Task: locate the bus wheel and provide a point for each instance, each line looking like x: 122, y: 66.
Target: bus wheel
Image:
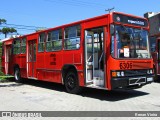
x: 17, y: 75
x: 72, y: 83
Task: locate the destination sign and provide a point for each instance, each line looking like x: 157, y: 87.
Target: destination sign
x: 129, y: 20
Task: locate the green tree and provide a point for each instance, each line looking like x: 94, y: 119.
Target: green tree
x: 5, y: 31
x: 3, y: 21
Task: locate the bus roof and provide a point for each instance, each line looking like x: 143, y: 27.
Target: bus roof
x: 78, y: 22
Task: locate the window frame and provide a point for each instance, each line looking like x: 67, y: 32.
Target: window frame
x: 77, y: 37
x: 23, y: 44
x: 41, y: 42
x: 52, y: 41
x: 17, y: 46
x: 113, y: 35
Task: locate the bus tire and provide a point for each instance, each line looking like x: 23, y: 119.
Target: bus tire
x: 17, y: 75
x: 71, y: 83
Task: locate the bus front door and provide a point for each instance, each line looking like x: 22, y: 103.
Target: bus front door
x: 94, y: 57
x: 8, y: 59
x: 32, y: 59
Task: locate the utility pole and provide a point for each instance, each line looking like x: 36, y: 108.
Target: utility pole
x: 110, y: 9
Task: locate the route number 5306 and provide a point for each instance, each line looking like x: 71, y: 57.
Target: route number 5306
x: 124, y: 65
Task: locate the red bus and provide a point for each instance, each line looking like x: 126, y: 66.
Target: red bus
x: 155, y: 50
x: 105, y: 52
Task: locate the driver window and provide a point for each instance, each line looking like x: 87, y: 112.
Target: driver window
x: 124, y: 44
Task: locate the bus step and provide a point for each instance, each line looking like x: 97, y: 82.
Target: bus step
x: 89, y: 83
x: 32, y: 78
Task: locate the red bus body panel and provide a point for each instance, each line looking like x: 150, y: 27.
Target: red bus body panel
x: 48, y: 66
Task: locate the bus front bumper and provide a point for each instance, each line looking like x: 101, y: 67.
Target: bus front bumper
x: 131, y: 82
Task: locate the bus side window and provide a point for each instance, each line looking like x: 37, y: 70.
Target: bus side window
x: 54, y: 40
x: 41, y: 42
x: 23, y: 46
x: 57, y: 40
x: 152, y: 44
x: 16, y: 46
x: 72, y: 38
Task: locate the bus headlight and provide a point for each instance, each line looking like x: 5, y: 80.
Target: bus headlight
x: 117, y: 74
x: 149, y: 71
x: 122, y: 73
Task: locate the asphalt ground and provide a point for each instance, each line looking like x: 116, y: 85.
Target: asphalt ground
x: 45, y: 96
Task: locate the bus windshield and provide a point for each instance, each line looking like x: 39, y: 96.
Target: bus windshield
x: 127, y: 42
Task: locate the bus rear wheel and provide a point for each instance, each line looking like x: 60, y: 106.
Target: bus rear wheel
x: 72, y: 83
x: 17, y: 75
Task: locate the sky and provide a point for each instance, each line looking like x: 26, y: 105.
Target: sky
x: 52, y: 13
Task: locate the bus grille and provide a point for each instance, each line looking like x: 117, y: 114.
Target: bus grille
x: 135, y: 72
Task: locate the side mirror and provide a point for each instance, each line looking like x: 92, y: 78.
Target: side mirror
x: 112, y: 29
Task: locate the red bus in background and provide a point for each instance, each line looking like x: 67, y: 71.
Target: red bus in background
x: 155, y: 50
x: 105, y: 52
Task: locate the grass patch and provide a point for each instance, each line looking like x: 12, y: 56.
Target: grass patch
x: 5, y: 78
x: 1, y: 74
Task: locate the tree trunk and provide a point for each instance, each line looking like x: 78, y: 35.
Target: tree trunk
x: 5, y: 35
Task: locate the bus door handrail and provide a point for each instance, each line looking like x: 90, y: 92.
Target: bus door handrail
x: 100, y: 59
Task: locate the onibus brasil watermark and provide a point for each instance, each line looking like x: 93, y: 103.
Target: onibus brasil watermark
x: 36, y: 114
x: 21, y: 114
